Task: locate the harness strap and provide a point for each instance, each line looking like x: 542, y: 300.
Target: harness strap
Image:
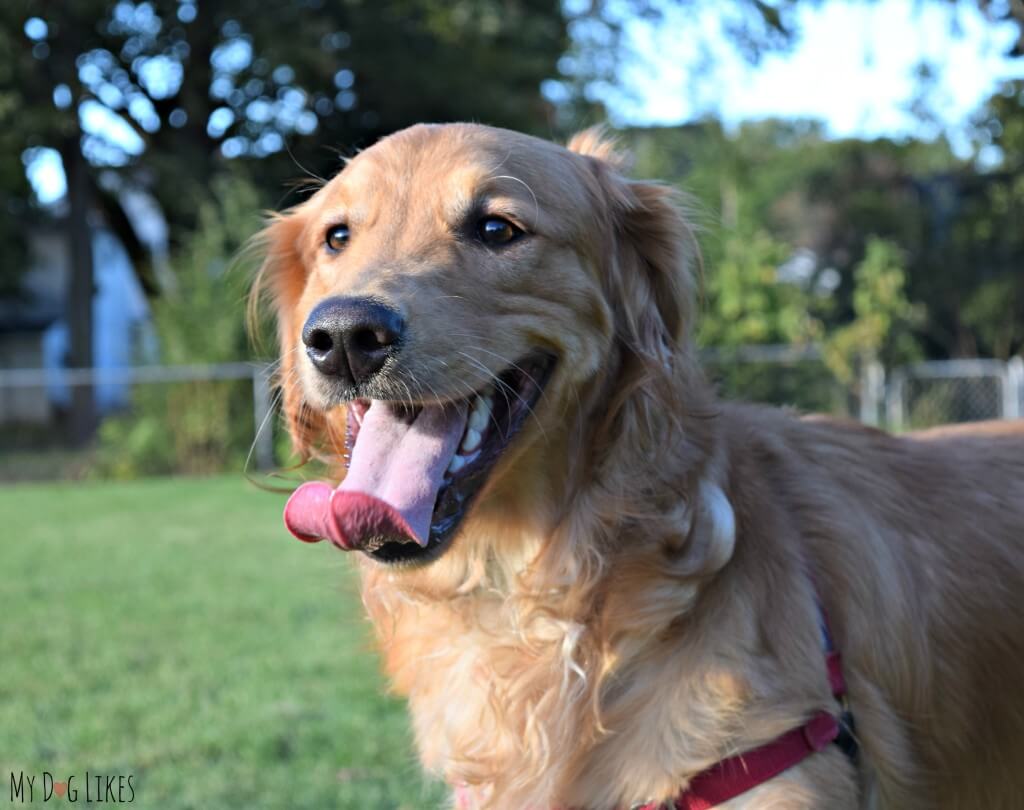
x: 736, y: 775
x: 846, y: 740
x: 729, y: 778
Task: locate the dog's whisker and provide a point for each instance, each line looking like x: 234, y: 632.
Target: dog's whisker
x: 502, y: 162
x: 508, y: 363
x: 536, y: 204
x: 265, y: 423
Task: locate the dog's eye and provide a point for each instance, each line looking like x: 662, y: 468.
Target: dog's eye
x: 336, y: 238
x: 495, y: 231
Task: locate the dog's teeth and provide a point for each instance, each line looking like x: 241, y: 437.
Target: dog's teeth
x: 456, y: 464
x: 470, y: 442
x: 481, y: 413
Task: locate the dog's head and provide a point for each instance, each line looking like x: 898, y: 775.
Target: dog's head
x: 481, y: 323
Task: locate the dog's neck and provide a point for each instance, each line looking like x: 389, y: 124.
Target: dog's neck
x: 511, y: 656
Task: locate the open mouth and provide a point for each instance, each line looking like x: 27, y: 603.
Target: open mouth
x: 414, y: 469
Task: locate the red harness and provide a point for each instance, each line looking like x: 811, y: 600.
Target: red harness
x: 731, y: 777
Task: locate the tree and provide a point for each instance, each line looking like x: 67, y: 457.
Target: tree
x: 994, y: 226
x: 166, y: 93
x: 884, y: 319
x: 196, y: 427
x: 954, y: 230
x: 191, y: 86
x: 747, y: 302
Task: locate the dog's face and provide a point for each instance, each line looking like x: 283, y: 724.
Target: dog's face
x: 450, y: 293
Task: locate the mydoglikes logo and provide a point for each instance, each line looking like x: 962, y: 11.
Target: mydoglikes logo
x: 93, y: 788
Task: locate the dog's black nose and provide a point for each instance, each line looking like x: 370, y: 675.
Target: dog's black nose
x: 351, y: 338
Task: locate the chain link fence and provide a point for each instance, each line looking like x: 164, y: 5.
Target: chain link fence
x: 910, y: 397
x: 937, y: 393
x: 208, y: 418
x: 190, y: 419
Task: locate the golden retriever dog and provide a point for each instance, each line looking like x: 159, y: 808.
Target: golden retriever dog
x: 598, y: 586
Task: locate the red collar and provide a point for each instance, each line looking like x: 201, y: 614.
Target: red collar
x: 735, y: 775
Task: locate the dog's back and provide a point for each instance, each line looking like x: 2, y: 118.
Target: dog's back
x: 918, y: 544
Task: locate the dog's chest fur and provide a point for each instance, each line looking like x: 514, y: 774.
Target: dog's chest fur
x: 533, y: 712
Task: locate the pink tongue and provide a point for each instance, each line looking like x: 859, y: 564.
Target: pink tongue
x: 392, y: 482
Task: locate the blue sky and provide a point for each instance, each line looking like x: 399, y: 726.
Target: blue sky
x: 852, y: 68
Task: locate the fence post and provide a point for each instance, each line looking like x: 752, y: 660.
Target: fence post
x: 262, y: 409
x: 894, y: 402
x: 1013, y: 392
x: 872, y: 392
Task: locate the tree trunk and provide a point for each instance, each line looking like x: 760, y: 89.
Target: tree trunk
x: 81, y: 289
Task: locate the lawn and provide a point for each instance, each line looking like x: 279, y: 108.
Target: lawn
x: 171, y: 630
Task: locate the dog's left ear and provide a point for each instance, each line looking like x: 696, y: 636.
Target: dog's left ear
x: 658, y: 249
x: 649, y: 264
x: 282, y: 278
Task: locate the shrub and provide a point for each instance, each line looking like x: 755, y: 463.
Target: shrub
x: 204, y: 426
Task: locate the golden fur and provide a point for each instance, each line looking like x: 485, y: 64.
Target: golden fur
x: 631, y: 599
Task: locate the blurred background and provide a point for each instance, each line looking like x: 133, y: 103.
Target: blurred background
x: 856, y: 169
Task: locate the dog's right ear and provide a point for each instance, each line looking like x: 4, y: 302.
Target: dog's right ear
x: 280, y: 281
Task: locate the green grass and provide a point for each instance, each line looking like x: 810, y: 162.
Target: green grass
x: 172, y: 630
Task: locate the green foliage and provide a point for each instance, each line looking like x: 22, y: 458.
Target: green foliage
x: 804, y: 383
x: 995, y: 312
x: 203, y: 426
x: 196, y: 428
x: 958, y: 225
x: 15, y: 209
x: 1000, y: 123
x: 747, y: 303
x: 884, y: 319
x: 202, y: 318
